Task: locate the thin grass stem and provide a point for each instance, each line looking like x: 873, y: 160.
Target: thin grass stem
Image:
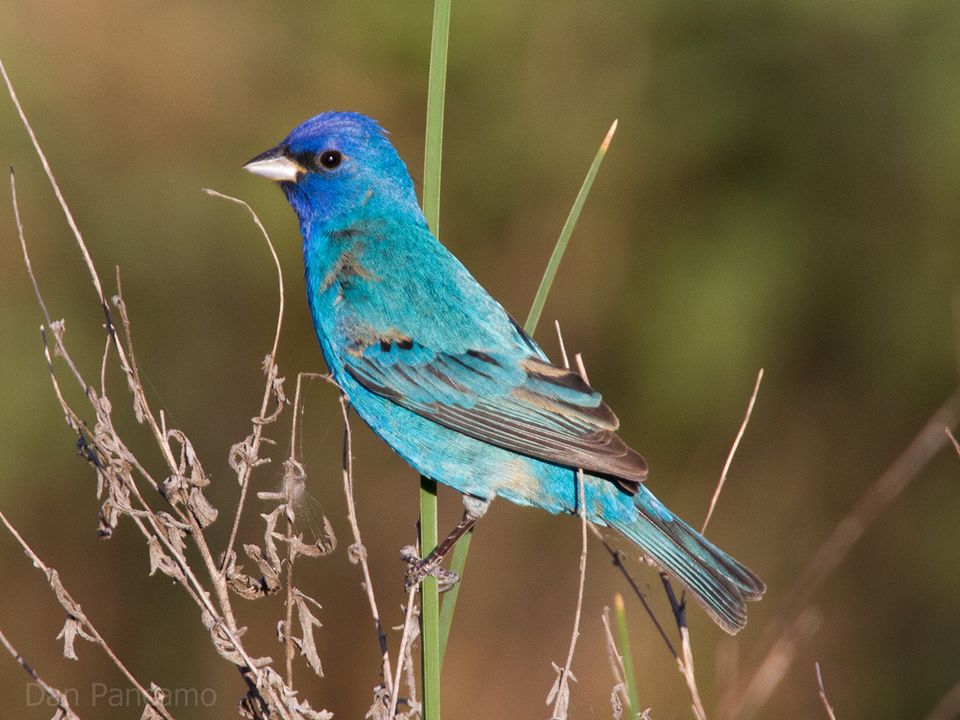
x: 540, y: 299
x: 433, y: 153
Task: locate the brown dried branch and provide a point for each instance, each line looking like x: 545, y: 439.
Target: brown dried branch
x: 616, y: 558
x: 78, y: 623
x: 64, y: 711
x: 618, y: 696
x: 101, y: 405
x: 294, y: 482
x: 744, y: 701
x: 559, y: 694
x: 733, y: 451
x: 953, y: 440
x: 251, y: 445
x: 357, y: 552
x: 118, y: 471
x: 410, y: 627
x: 685, y: 660
x: 103, y: 448
x: 823, y: 694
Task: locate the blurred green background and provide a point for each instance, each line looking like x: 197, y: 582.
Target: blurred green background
x: 783, y: 192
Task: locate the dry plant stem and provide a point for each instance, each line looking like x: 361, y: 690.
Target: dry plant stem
x: 928, y: 442
x: 63, y: 705
x: 953, y: 440
x: 361, y: 551
x: 271, y: 372
x: 617, y: 558
x: 194, y: 587
x: 288, y: 619
x: 162, y: 440
x: 885, y: 489
x: 265, y: 691
x: 616, y: 661
x: 288, y: 648
x: 188, y: 581
x: 733, y: 451
x: 74, y: 610
x: 59, y: 195
x: 823, y: 694
x: 291, y: 553
x: 562, y: 699
x: 563, y: 347
x: 562, y: 695
x: 689, y: 674
x: 685, y: 659
x: 220, y: 587
x: 561, y: 702
x: 402, y: 653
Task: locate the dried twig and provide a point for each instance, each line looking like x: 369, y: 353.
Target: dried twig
x: 744, y: 701
x: 293, y: 484
x: 823, y: 694
x: 251, y: 445
x: 119, y: 471
x: 617, y: 558
x: 357, y: 552
x: 685, y: 659
x: 64, y: 711
x: 95, y: 453
x: 409, y: 627
x: 618, y: 697
x: 679, y: 607
x: 953, y: 439
x: 559, y: 694
x: 78, y: 623
x: 733, y: 451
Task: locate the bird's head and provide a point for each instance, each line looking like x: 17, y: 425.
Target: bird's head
x: 337, y: 163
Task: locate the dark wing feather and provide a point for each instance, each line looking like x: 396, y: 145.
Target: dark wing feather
x: 523, y: 404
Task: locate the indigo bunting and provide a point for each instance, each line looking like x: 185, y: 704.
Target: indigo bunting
x: 448, y: 379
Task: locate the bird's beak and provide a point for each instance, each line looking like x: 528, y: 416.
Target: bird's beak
x: 276, y: 165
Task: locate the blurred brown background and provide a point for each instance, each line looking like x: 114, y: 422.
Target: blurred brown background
x: 782, y: 193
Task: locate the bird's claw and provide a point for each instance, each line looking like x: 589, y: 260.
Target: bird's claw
x: 418, y: 569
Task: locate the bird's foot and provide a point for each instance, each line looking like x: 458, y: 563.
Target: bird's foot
x: 418, y: 569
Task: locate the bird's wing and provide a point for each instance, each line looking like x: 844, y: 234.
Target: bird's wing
x: 516, y: 401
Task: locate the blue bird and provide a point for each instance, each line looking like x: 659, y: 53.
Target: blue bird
x: 448, y: 379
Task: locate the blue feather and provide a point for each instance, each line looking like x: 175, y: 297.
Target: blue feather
x: 440, y: 371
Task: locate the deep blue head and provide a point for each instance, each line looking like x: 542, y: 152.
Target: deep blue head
x: 338, y: 163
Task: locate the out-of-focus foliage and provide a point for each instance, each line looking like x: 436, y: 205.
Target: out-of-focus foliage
x: 782, y: 192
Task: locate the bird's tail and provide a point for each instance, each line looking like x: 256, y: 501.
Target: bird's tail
x: 720, y: 583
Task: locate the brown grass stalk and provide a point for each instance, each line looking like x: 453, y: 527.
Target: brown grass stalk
x: 795, y: 624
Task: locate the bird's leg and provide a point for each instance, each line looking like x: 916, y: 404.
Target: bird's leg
x: 474, y: 509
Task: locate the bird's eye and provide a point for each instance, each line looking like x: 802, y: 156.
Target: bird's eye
x: 330, y: 159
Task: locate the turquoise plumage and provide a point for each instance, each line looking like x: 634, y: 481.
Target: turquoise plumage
x: 440, y: 371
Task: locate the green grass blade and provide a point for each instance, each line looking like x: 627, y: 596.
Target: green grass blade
x: 436, y: 93
x: 463, y: 547
x: 540, y: 299
x: 429, y: 604
x: 433, y: 152
x: 623, y: 637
